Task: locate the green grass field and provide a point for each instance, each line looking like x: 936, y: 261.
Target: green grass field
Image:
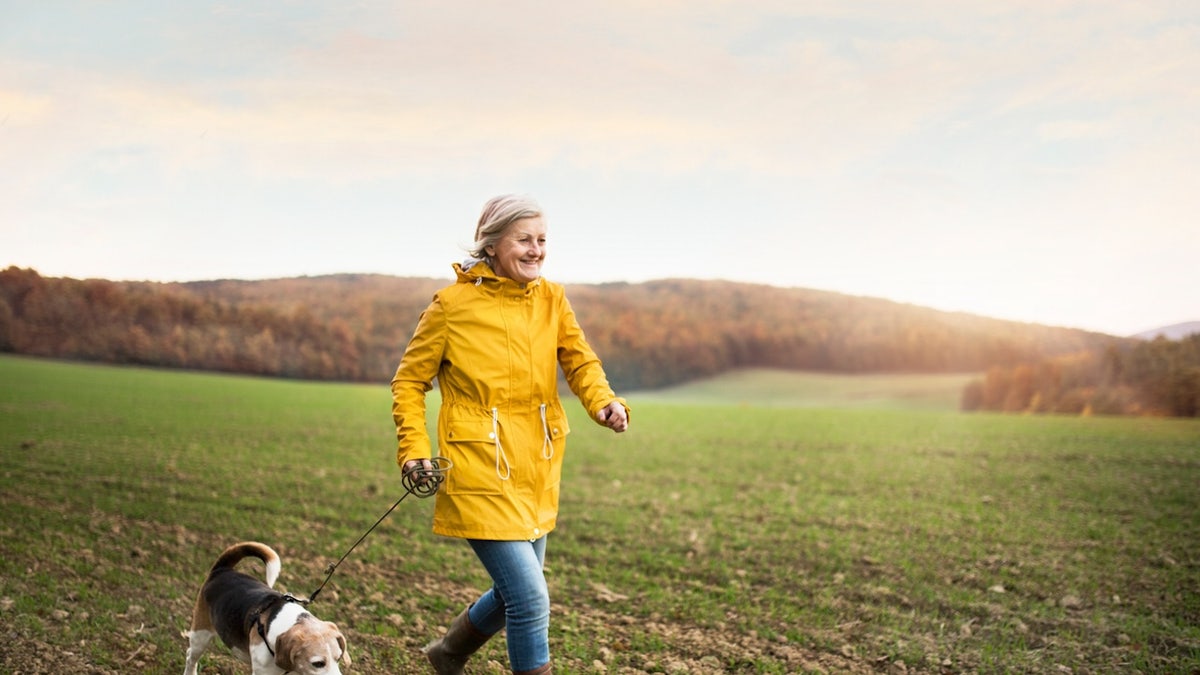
x: 725, y: 532
x: 778, y: 389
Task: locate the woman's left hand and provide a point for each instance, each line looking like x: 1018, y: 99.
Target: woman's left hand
x: 613, y: 416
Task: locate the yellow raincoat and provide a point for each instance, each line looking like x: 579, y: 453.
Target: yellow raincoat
x: 495, y: 346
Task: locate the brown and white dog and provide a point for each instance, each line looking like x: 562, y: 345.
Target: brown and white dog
x: 261, y: 626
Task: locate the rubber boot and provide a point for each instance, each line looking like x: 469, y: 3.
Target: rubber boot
x: 448, y: 654
x: 544, y: 670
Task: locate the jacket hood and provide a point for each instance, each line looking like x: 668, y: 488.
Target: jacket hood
x: 468, y: 263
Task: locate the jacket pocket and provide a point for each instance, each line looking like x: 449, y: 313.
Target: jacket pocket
x: 471, y: 446
x: 555, y: 430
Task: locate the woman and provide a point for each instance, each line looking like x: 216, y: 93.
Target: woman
x: 495, y: 340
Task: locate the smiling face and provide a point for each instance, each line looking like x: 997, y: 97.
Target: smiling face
x: 519, y: 252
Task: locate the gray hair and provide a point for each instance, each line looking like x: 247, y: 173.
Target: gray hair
x: 498, y: 213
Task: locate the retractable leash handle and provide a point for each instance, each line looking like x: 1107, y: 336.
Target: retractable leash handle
x: 419, y: 481
x: 424, y: 482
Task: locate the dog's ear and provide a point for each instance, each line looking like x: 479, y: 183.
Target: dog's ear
x: 341, y: 640
x: 284, y: 647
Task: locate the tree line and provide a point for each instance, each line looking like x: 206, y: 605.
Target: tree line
x: 160, y: 325
x: 355, y: 327
x: 1158, y: 377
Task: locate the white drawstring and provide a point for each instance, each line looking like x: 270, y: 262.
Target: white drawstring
x: 499, y: 448
x: 546, y: 443
x: 502, y: 457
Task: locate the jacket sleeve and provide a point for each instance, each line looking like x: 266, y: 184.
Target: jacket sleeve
x: 414, y: 378
x: 580, y: 365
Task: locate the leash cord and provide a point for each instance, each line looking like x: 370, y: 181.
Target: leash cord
x: 420, y: 482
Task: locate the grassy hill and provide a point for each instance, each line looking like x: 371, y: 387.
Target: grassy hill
x: 650, y: 335
x: 781, y: 388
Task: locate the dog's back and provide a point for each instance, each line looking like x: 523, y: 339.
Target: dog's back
x: 235, y: 600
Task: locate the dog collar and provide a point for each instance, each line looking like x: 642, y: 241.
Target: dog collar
x: 274, y: 606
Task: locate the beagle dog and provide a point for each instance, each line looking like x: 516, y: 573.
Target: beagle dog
x: 261, y: 626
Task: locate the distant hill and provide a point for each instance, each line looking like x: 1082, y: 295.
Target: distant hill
x: 669, y: 331
x: 653, y: 334
x: 1173, y: 332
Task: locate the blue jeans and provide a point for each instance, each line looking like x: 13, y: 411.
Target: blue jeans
x: 518, y: 599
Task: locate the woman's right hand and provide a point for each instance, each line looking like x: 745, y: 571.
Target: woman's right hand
x: 419, y: 470
x: 614, y: 417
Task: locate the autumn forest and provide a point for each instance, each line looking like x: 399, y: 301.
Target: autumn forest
x: 652, y: 334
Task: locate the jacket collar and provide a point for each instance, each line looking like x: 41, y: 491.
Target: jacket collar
x: 479, y: 273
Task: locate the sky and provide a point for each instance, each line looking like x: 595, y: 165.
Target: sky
x: 1031, y: 160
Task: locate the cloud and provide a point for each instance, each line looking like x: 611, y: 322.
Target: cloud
x: 1076, y: 130
x: 674, y: 90
x: 22, y: 109
x: 879, y: 148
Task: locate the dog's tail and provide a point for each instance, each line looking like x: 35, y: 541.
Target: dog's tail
x: 250, y: 549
